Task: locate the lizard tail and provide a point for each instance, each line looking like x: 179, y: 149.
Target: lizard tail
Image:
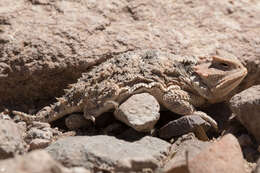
x: 49, y: 113
x: 27, y: 117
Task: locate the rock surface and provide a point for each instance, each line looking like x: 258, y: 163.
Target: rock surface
x: 108, y: 153
x: 182, y: 126
x: 37, y: 161
x: 140, y: 111
x: 246, y: 106
x: 221, y: 156
x: 65, y: 38
x: 11, y: 139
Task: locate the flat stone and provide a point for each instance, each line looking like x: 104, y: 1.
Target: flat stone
x: 11, y: 139
x: 109, y: 153
x: 246, y: 106
x: 140, y: 111
x: 36, y: 161
x: 223, y: 156
x: 182, y: 126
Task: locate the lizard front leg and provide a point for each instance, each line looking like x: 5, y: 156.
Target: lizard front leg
x: 177, y: 101
x: 182, y: 102
x: 102, y: 100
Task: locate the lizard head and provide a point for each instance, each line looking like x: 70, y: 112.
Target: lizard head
x: 217, y: 76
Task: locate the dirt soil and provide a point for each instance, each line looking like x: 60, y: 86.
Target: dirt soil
x: 46, y: 44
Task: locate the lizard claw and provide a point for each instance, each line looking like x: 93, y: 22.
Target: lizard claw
x: 91, y: 118
x: 113, y: 103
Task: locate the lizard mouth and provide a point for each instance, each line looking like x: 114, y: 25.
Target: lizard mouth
x: 229, y: 83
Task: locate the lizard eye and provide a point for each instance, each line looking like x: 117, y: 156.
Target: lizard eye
x: 220, y: 66
x: 224, y: 65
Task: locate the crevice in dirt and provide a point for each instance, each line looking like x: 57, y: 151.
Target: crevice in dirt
x: 23, y: 92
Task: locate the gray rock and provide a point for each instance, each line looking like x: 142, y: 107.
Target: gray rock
x: 182, y: 126
x: 34, y: 162
x: 108, y: 153
x: 34, y: 133
x: 11, y: 139
x: 141, y: 112
x: 246, y: 106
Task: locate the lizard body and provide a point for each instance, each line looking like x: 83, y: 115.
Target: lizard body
x: 179, y: 83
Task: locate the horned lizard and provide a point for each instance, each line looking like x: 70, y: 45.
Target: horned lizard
x: 179, y: 83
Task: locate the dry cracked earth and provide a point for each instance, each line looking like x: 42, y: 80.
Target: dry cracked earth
x: 47, y: 44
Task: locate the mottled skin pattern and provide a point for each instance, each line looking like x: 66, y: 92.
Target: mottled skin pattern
x: 179, y: 83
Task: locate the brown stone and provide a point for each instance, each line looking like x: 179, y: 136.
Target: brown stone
x: 182, y: 126
x: 223, y: 156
